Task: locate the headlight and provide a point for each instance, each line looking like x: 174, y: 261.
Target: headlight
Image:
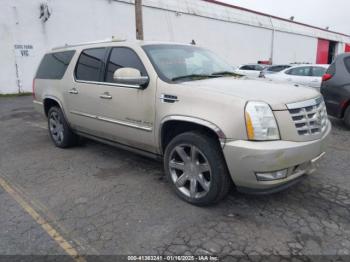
x: 260, y: 122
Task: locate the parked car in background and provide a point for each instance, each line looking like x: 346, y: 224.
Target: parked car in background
x: 184, y: 105
x: 309, y: 75
x: 273, y: 69
x: 252, y: 70
x: 335, y: 88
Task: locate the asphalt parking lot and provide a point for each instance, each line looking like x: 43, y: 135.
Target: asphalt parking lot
x: 103, y: 200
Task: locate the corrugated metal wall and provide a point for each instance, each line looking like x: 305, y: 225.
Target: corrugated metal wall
x: 237, y: 35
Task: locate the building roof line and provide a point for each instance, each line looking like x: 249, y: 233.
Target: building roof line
x: 272, y: 16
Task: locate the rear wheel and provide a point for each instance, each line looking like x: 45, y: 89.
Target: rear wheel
x: 59, y: 130
x: 347, y: 117
x: 195, y: 167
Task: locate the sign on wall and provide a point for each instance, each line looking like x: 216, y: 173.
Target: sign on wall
x: 23, y: 50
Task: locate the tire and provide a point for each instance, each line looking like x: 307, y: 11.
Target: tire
x: 347, y: 117
x: 60, y: 132
x: 195, y: 167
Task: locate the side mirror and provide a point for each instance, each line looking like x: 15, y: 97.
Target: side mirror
x: 130, y: 76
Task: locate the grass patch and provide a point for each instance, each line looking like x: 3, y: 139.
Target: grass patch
x: 15, y: 95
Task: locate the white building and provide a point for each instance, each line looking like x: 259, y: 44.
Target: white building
x: 29, y: 28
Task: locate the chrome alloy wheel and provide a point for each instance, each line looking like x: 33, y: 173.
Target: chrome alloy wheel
x: 190, y: 170
x: 56, y: 127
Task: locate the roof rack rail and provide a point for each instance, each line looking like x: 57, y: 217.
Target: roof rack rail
x: 113, y: 39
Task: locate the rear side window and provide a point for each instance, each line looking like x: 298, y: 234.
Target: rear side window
x: 258, y: 68
x: 347, y: 63
x: 300, y: 71
x: 90, y: 64
x: 318, y: 71
x: 248, y: 67
x: 331, y: 69
x: 277, y: 68
x: 123, y: 57
x: 54, y: 65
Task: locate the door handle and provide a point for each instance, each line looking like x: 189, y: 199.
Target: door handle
x: 106, y: 95
x: 73, y: 91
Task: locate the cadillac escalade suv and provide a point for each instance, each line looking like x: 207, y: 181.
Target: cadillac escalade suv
x: 183, y: 104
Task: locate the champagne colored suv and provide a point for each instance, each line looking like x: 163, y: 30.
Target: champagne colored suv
x: 183, y: 104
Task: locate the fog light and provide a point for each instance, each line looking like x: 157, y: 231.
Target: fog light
x: 268, y: 176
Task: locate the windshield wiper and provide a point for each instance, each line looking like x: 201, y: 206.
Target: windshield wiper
x: 191, y: 76
x: 225, y: 73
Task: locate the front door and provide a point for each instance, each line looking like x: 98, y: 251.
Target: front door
x: 127, y: 112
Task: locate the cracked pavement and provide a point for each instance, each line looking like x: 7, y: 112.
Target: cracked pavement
x: 112, y: 202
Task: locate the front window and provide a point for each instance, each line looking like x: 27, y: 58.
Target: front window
x: 181, y: 62
x: 121, y: 57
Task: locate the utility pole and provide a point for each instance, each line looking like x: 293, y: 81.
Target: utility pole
x: 138, y: 19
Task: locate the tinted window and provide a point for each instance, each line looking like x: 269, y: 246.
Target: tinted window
x: 331, y: 69
x: 123, y: 57
x: 54, y: 65
x: 318, y: 71
x: 300, y: 71
x: 347, y: 63
x: 258, y: 67
x: 90, y: 64
x: 248, y: 67
x: 277, y: 68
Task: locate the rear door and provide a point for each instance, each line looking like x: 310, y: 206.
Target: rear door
x: 299, y: 75
x: 317, y: 73
x: 82, y: 95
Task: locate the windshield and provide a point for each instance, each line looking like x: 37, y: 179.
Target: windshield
x: 181, y: 62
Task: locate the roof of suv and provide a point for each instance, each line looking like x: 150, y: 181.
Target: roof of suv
x: 111, y: 42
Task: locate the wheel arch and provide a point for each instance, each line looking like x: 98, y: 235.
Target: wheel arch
x: 173, y: 125
x: 50, y: 101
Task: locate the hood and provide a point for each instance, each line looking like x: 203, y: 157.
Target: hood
x: 277, y: 95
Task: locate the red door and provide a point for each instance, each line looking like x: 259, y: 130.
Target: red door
x: 322, y: 51
x: 347, y: 48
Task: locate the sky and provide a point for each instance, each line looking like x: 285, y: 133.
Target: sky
x: 320, y: 13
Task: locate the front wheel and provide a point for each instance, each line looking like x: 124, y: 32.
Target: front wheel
x: 195, y: 167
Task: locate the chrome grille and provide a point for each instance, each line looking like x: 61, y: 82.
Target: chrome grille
x: 310, y: 116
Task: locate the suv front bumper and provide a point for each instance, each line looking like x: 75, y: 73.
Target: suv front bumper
x: 246, y: 158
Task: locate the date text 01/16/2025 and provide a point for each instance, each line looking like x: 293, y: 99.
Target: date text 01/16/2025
x: 173, y: 258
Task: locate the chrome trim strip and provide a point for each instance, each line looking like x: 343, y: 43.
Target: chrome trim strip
x: 113, y: 121
x: 306, y: 103
x: 123, y: 123
x: 37, y: 102
x: 316, y: 159
x: 83, y: 114
x: 106, y: 84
